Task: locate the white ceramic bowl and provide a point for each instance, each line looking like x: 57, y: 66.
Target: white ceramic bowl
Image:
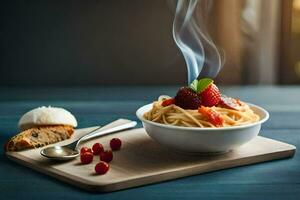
x: 202, y: 140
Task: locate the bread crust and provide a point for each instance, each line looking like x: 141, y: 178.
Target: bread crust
x: 38, y: 137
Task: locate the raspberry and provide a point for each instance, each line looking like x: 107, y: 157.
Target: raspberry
x: 85, y: 149
x: 97, y: 148
x: 106, y: 156
x: 86, y: 158
x: 210, y: 96
x: 115, y: 144
x: 102, y: 167
x: 186, y: 98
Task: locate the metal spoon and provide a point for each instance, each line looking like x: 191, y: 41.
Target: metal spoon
x: 71, y: 151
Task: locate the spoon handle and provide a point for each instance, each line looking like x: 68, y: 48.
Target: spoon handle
x: 98, y: 132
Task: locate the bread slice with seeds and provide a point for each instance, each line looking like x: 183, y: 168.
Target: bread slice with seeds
x: 39, y: 136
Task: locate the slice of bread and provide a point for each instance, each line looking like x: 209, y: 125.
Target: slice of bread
x: 38, y: 137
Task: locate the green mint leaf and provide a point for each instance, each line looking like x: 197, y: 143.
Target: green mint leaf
x: 203, y: 84
x: 194, y: 85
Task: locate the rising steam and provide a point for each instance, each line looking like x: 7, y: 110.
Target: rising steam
x: 191, y: 36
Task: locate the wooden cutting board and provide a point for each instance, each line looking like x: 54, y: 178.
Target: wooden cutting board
x: 142, y: 161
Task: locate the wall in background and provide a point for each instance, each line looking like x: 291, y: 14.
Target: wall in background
x: 88, y: 43
x: 129, y: 42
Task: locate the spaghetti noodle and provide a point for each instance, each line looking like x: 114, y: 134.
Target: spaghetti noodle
x: 177, y: 116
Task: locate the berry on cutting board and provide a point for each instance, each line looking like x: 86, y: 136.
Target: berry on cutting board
x: 85, y: 149
x: 115, y: 144
x: 101, y: 167
x: 106, y: 156
x: 86, y: 158
x: 97, y: 148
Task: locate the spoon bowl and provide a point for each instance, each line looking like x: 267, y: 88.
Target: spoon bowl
x: 60, y: 153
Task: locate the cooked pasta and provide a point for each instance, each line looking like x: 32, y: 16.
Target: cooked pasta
x: 177, y: 116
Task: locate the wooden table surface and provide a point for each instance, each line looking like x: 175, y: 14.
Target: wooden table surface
x: 98, y: 106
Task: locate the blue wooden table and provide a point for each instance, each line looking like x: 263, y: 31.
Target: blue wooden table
x: 92, y: 106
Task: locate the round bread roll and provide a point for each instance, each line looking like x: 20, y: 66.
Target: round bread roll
x: 46, y: 116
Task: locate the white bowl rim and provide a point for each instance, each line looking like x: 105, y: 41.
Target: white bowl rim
x: 140, y: 115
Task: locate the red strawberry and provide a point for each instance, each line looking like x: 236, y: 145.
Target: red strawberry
x: 212, y: 116
x: 186, y: 98
x: 210, y: 96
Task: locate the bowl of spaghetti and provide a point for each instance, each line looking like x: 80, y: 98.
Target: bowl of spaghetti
x: 209, y: 123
